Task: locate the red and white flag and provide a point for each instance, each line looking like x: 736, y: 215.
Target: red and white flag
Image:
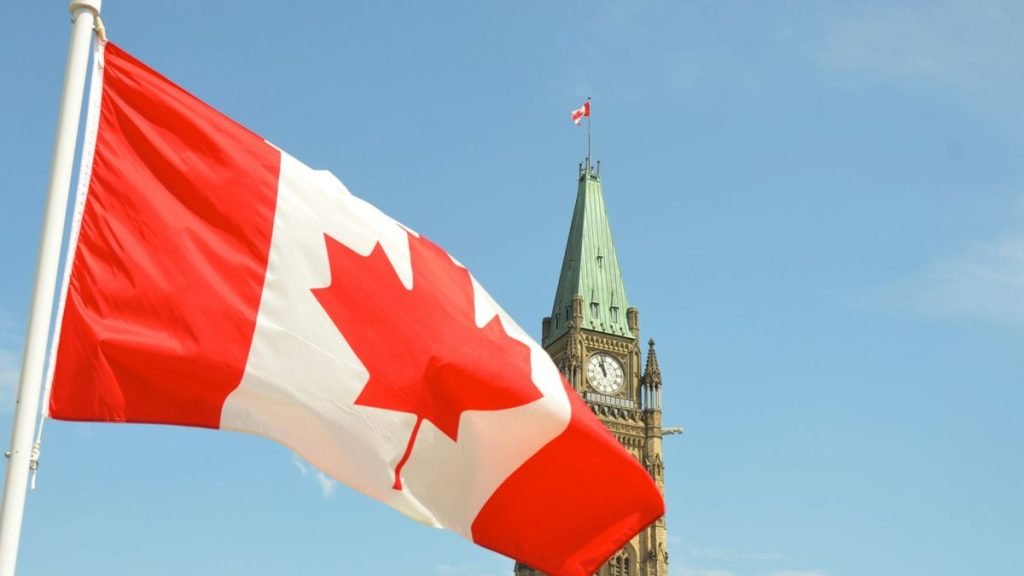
x: 581, y: 112
x: 215, y: 281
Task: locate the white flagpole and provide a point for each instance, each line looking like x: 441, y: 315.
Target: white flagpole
x: 20, y: 459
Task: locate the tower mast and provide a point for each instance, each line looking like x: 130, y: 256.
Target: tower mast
x: 590, y: 119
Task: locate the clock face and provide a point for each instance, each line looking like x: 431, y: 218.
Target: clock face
x: 604, y: 374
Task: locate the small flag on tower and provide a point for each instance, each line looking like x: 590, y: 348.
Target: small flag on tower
x: 579, y: 113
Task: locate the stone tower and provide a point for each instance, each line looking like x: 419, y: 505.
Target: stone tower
x: 593, y: 335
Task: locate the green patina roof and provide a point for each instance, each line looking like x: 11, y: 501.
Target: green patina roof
x: 590, y: 267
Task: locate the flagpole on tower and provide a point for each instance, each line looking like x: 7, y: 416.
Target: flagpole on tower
x: 589, y: 120
x: 21, y: 458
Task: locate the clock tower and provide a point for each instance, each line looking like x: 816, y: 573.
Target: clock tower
x: 593, y: 335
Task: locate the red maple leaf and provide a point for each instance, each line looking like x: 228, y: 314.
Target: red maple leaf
x: 422, y: 348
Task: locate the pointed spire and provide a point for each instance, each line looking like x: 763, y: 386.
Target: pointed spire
x: 650, y: 382
x: 652, y: 374
x: 590, y: 267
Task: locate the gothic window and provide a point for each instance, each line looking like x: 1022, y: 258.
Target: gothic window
x: 615, y: 313
x: 557, y: 318
x: 595, y: 308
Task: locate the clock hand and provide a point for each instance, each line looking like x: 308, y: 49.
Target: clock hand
x: 603, y: 371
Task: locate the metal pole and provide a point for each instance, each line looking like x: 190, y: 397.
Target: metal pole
x: 20, y: 463
x: 590, y: 114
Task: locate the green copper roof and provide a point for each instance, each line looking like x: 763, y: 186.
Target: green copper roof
x: 590, y: 267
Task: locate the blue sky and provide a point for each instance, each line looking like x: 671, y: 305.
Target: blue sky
x: 818, y: 207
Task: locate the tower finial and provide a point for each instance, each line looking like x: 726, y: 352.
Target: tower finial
x: 652, y: 373
x: 652, y: 380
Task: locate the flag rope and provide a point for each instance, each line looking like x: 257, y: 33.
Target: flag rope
x: 92, y: 121
x: 101, y: 30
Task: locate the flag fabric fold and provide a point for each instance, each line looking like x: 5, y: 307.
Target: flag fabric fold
x: 215, y: 281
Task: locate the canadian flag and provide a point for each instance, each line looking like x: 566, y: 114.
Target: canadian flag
x: 213, y: 280
x: 581, y: 112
